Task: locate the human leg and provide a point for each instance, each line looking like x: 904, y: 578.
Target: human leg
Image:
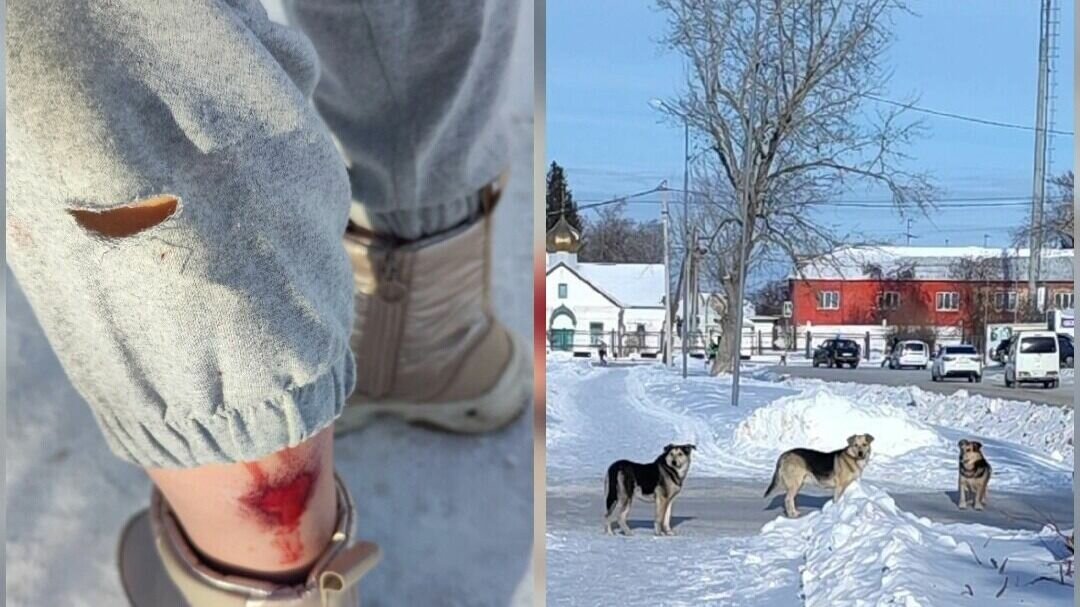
x: 170, y: 192
x: 413, y: 92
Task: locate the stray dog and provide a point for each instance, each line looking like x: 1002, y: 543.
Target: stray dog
x: 836, y: 469
x: 974, y: 475
x: 660, y: 481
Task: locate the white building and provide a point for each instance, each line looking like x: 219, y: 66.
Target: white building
x: 621, y: 304
x: 618, y: 303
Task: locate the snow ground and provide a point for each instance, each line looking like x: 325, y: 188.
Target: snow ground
x: 68, y: 497
x: 638, y: 408
x: 862, y: 550
x: 883, y: 554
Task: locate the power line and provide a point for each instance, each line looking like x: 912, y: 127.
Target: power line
x: 969, y: 202
x: 985, y: 121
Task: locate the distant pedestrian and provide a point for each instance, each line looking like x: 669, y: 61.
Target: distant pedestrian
x: 602, y: 347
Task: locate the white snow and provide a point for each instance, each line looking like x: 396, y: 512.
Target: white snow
x: 926, y: 262
x: 822, y: 419
x: 862, y: 550
x: 597, y: 415
x: 1045, y: 430
x: 631, y: 284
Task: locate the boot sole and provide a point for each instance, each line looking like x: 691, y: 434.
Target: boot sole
x: 488, y: 412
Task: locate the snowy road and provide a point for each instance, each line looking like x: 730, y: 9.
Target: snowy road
x: 992, y: 385
x: 711, y: 507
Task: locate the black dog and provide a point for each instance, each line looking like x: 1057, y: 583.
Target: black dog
x: 660, y: 481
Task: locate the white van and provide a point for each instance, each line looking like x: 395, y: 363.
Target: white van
x: 910, y: 353
x: 1033, y: 357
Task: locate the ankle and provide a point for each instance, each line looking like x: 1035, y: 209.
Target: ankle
x: 270, y: 519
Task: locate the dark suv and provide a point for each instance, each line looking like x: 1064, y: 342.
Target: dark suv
x: 1065, y: 351
x: 837, y: 353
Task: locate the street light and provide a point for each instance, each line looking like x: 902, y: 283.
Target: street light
x: 661, y: 105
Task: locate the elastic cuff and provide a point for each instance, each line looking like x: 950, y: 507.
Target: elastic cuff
x: 233, y: 434
x: 415, y: 224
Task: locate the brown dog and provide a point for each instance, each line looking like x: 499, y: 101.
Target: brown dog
x: 974, y: 475
x: 836, y: 469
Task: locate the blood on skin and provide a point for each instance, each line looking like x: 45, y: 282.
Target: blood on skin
x: 278, y: 503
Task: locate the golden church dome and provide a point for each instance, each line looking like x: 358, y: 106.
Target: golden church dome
x: 563, y: 237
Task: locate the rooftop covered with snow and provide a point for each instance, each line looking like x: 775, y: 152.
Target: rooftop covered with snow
x: 631, y: 284
x: 935, y: 263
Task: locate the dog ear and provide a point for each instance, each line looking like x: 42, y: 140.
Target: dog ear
x: 977, y: 445
x: 869, y: 438
x: 851, y: 439
x: 689, y: 447
x: 962, y: 442
x: 668, y: 447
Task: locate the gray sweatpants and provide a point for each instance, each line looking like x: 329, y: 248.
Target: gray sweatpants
x: 221, y: 333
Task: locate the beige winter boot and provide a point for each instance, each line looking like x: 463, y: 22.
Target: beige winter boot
x: 428, y: 346
x: 174, y: 576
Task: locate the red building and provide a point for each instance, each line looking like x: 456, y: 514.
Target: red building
x: 959, y: 288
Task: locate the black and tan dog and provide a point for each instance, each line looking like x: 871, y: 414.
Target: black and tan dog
x: 836, y: 469
x: 974, y: 478
x: 659, y: 481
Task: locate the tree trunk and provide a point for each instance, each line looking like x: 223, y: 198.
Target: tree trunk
x: 724, y: 360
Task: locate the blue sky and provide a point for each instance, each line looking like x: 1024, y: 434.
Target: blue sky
x: 968, y: 57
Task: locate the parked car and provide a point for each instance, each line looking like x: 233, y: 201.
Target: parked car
x: 837, y: 353
x: 957, y: 361
x: 1033, y: 358
x: 909, y: 353
x: 1065, y: 350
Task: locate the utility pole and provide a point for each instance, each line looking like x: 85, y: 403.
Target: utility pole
x: 667, y: 276
x: 908, y: 233
x: 686, y: 242
x: 1039, y: 181
x: 986, y: 241
x: 745, y: 237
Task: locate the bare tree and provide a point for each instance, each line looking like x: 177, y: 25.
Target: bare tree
x: 789, y: 113
x: 613, y: 237
x: 1058, y: 225
x: 769, y: 298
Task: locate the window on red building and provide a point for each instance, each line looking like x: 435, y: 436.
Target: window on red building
x: 1063, y: 300
x: 828, y: 300
x: 948, y: 301
x: 889, y: 300
x: 1005, y: 300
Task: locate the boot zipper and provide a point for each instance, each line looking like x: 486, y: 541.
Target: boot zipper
x: 391, y: 288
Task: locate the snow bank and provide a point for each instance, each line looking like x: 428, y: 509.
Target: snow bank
x: 823, y: 420
x: 864, y: 550
x: 1045, y: 429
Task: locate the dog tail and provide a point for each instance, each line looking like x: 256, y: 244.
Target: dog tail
x: 611, y: 487
x: 775, y: 480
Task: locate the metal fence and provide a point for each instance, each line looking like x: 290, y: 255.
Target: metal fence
x: 755, y: 342
x: 650, y: 344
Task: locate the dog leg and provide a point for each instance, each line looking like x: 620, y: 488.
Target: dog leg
x: 658, y: 522
x: 962, y: 499
x: 667, y: 517
x: 623, y: 513
x: 789, y: 502
x: 980, y: 496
